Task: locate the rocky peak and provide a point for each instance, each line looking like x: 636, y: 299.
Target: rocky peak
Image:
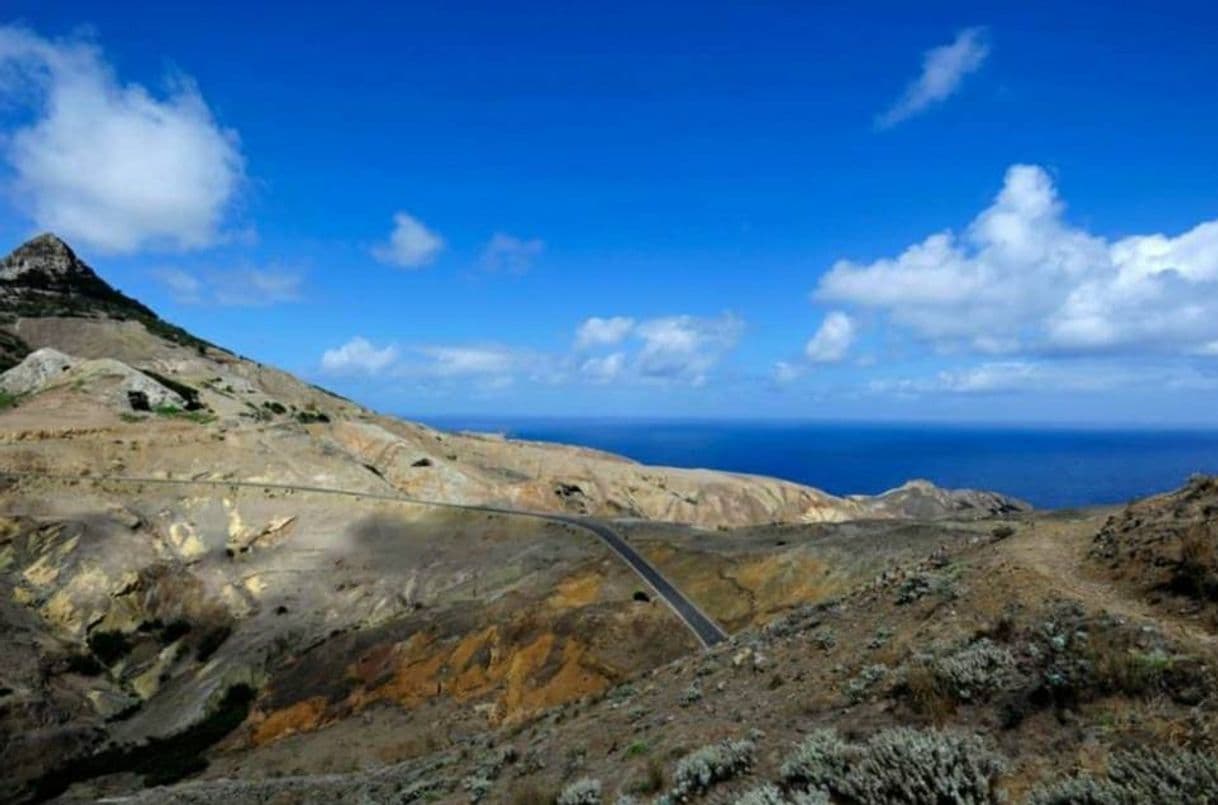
x: 44, y: 278
x: 45, y: 254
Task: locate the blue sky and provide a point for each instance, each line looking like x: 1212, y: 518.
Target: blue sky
x: 787, y: 210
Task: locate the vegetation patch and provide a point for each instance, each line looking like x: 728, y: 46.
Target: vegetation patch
x: 200, y: 417
x: 705, y: 768
x: 160, y: 761
x: 585, y: 791
x: 110, y: 646
x: 896, y: 765
x: 1139, y: 776
x: 211, y: 642
x: 189, y: 394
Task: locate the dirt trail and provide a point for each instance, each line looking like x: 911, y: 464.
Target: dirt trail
x: 1057, y: 551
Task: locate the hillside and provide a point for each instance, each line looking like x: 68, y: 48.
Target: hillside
x: 211, y: 569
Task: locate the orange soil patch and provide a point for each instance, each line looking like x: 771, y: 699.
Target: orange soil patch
x: 303, y: 716
x: 778, y: 582
x: 522, y: 679
x: 578, y: 591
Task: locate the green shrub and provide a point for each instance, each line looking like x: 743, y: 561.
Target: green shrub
x: 704, y: 768
x: 764, y: 794
x: 770, y: 794
x: 916, y: 766
x: 861, y: 685
x: 585, y: 791
x: 818, y: 760
x: 896, y: 765
x: 1139, y: 776
x: 691, y: 694
x: 976, y: 671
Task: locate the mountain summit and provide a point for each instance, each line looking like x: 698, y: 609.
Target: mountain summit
x: 44, y: 278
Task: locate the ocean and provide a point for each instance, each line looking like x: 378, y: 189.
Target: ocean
x: 1048, y: 467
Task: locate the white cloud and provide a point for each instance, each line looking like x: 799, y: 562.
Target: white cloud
x: 411, y: 244
x: 604, y: 369
x: 832, y: 341
x: 1022, y: 280
x: 245, y: 287
x: 109, y: 164
x: 669, y: 349
x: 943, y: 69
x: 454, y: 361
x: 786, y: 372
x: 684, y: 348
x: 597, y: 331
x: 184, y: 287
x: 1014, y: 377
x: 512, y: 254
x: 358, y: 356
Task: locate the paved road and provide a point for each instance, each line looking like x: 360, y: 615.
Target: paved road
x: 704, y: 629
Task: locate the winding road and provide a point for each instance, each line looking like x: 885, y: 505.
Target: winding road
x: 707, y: 632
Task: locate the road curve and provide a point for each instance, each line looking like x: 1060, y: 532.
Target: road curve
x: 707, y: 632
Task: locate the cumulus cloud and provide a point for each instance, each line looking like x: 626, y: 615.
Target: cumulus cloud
x: 832, y: 340
x: 685, y: 348
x: 604, y: 369
x: 1011, y: 377
x: 454, y: 361
x: 411, y: 244
x: 786, y: 372
x: 245, y: 287
x: 619, y: 349
x: 109, y: 164
x: 1021, y: 279
x: 598, y: 331
x: 943, y: 70
x: 511, y: 254
x: 358, y: 356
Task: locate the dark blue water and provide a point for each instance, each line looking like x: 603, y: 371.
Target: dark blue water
x: 1050, y: 468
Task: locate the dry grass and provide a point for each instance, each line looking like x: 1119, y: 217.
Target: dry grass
x: 1195, y: 574
x: 926, y: 694
x: 531, y: 792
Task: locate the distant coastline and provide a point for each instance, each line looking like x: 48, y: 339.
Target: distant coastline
x: 1050, y: 466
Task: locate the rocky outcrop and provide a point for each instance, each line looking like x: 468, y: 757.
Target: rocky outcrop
x: 44, y: 278
x: 119, y: 383
x: 922, y: 500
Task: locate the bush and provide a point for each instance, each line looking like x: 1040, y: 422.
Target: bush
x: 915, y: 766
x: 976, y: 671
x: 704, y: 768
x: 1139, y: 776
x: 1196, y: 574
x: 818, y: 760
x: 858, y: 687
x: 581, y: 792
x: 637, y: 748
x: 769, y: 794
x: 652, y: 781
x: 896, y: 765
